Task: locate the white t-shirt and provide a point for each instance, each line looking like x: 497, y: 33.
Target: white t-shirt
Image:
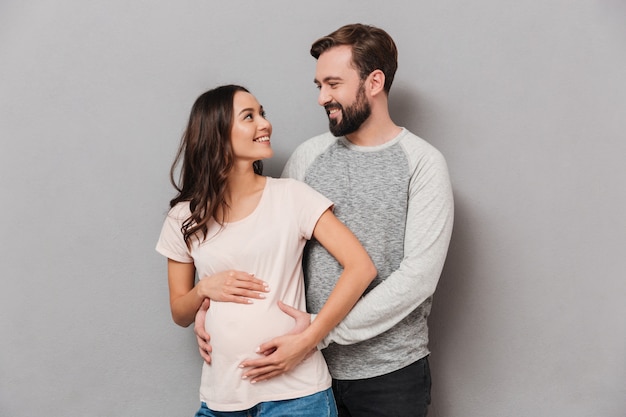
x: 268, y: 243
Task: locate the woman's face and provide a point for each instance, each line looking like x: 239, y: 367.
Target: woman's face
x: 251, y: 131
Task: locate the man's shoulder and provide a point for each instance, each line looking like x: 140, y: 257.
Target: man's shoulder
x: 315, y: 144
x: 305, y: 154
x: 418, y: 149
x: 410, y: 139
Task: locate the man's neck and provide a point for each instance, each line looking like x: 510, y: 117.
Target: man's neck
x: 375, y: 132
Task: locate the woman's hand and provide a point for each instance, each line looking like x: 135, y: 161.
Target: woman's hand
x: 232, y: 286
x: 227, y: 286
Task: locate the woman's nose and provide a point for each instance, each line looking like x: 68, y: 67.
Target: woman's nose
x: 264, y: 124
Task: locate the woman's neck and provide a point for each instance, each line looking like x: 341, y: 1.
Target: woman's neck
x: 242, y: 181
x: 243, y: 194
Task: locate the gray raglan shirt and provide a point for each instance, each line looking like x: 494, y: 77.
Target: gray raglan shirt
x: 397, y: 199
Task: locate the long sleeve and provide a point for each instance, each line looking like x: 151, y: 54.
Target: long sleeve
x: 428, y: 230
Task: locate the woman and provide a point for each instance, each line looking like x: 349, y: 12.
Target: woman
x: 229, y: 221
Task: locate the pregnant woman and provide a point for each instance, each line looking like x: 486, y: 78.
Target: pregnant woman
x: 229, y: 221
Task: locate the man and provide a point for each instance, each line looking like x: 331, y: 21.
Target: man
x: 393, y: 191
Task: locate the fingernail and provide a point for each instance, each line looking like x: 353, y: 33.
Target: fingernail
x: 258, y: 349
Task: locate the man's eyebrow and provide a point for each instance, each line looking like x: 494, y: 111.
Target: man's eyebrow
x: 327, y: 79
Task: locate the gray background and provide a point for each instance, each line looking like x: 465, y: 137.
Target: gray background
x: 527, y: 101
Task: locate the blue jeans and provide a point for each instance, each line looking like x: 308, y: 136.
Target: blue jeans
x: 405, y: 392
x: 321, y: 404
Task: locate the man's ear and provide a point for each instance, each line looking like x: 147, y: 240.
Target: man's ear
x: 376, y: 82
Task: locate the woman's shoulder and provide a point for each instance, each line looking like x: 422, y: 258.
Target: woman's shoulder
x: 289, y: 185
x: 180, y: 211
x: 296, y: 192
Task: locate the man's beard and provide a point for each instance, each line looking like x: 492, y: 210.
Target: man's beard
x: 352, y: 117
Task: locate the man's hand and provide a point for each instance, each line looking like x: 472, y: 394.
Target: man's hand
x: 201, y: 335
x: 283, y: 353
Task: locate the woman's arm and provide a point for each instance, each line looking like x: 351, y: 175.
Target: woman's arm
x: 230, y: 286
x: 184, y: 298
x: 358, y: 273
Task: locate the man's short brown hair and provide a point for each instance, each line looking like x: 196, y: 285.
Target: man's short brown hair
x: 372, y: 49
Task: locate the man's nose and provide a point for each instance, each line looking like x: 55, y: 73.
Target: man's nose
x: 324, y: 97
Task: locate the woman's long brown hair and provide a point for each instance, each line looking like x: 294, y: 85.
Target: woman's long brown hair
x: 206, y: 158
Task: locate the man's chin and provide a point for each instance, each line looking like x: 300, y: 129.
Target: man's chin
x: 336, y: 132
x: 334, y: 128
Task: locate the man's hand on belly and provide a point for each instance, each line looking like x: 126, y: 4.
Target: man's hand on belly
x: 282, y: 353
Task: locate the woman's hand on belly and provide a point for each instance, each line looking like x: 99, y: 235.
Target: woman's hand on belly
x: 232, y: 286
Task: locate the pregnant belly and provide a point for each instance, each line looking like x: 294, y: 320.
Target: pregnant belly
x: 238, y: 329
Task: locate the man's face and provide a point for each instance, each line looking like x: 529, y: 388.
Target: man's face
x: 342, y: 92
